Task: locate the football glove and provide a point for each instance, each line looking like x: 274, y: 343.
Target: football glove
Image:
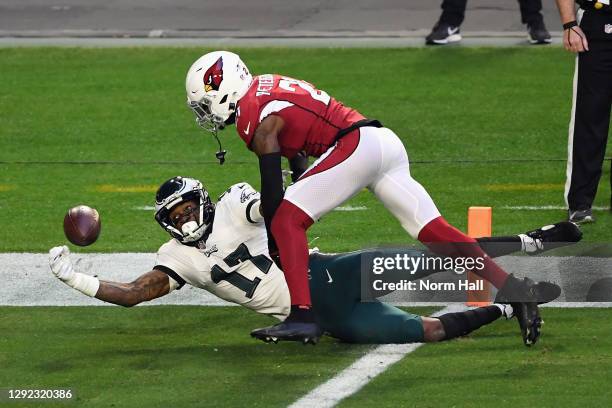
x: 62, y: 268
x: 60, y: 263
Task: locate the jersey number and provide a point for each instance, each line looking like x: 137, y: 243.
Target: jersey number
x: 241, y: 254
x: 288, y: 83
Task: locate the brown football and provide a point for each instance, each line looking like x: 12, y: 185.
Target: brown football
x: 82, y: 225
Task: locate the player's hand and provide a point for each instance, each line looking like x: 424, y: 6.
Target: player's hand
x: 574, y: 40
x: 60, y: 263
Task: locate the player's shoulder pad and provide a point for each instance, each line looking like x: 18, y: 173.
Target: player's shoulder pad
x: 239, y: 193
x: 170, y: 259
x: 239, y: 198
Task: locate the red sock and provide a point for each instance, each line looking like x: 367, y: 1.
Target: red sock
x: 438, y: 230
x: 289, y: 227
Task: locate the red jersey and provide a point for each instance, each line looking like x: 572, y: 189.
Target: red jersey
x: 312, y: 118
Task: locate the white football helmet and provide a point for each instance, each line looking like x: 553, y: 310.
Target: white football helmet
x: 175, y: 191
x: 215, y: 83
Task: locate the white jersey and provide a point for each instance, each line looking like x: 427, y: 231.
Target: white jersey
x: 235, y: 264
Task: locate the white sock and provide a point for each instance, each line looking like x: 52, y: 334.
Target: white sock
x: 506, y: 310
x: 529, y: 244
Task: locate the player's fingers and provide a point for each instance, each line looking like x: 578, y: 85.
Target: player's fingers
x: 55, y: 252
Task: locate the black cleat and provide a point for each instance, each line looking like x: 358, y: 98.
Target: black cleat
x: 581, y: 216
x: 442, y: 34
x: 546, y: 292
x: 307, y: 333
x: 550, y: 236
x: 538, y: 34
x: 523, y: 297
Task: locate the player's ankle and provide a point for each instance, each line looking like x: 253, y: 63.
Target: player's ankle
x: 302, y: 313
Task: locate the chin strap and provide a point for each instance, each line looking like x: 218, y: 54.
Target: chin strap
x: 220, y: 155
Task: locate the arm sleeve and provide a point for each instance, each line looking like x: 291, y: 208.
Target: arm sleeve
x: 271, y: 192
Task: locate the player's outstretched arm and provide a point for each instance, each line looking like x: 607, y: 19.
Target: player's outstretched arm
x: 149, y: 286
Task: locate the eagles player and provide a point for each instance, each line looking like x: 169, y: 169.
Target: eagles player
x: 223, y: 249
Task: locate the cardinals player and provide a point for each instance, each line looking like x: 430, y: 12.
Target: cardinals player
x: 281, y: 116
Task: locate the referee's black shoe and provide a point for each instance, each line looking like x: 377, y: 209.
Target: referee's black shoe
x: 442, y: 34
x: 537, y: 33
x: 581, y: 216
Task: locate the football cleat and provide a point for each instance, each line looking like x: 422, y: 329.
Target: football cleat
x: 546, y: 292
x: 307, y: 333
x: 550, y: 236
x: 522, y: 295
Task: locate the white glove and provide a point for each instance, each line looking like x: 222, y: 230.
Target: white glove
x: 60, y: 263
x: 61, y: 266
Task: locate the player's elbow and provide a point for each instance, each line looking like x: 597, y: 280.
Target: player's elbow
x: 128, y: 302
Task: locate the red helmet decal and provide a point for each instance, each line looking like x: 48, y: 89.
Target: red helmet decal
x: 214, y: 76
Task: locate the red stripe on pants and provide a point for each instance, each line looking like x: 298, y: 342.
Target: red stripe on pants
x: 342, y: 151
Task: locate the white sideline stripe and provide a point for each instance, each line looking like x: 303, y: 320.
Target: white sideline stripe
x: 28, y: 281
x: 544, y: 207
x: 354, y: 377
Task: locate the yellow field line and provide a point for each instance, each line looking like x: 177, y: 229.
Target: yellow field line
x: 6, y: 187
x: 114, y: 188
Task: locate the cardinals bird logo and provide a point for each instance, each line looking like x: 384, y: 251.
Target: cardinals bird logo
x: 214, y: 76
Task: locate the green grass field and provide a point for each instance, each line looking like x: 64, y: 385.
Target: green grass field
x: 193, y: 356
x: 105, y: 127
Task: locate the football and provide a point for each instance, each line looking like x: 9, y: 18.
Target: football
x: 82, y: 225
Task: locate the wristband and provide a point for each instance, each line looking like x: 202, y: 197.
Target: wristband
x: 86, y: 284
x: 570, y: 24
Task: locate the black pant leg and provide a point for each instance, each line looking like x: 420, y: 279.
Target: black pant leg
x: 531, y: 11
x: 453, y: 12
x: 591, y: 116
